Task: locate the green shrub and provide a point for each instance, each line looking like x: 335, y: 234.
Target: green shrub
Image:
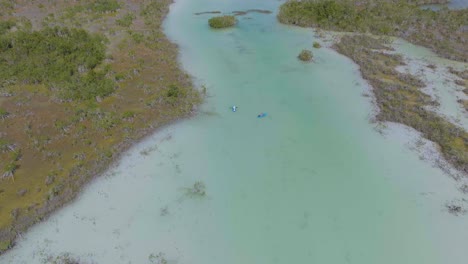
x: 6, y: 25
x: 102, y: 6
x: 5, y: 145
x: 317, y: 45
x: 305, y: 55
x: 4, y: 245
x: 126, y: 20
x: 137, y: 37
x: 222, y: 21
x: 128, y: 114
x: 64, y: 59
x: 173, y: 91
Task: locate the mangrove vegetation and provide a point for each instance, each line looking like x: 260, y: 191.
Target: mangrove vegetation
x: 80, y: 82
x: 400, y: 98
x: 222, y: 21
x: 443, y: 31
x: 305, y: 55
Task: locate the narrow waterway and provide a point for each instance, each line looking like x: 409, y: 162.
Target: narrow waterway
x: 313, y: 182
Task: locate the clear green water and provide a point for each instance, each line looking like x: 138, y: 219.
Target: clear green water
x: 311, y: 183
x: 453, y: 4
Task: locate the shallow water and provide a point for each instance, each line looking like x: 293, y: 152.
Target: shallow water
x: 313, y: 182
x: 440, y: 83
x: 453, y: 4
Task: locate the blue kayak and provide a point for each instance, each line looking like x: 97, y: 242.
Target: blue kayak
x: 262, y: 115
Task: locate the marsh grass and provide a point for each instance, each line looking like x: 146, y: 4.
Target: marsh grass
x: 222, y: 21
x: 305, y: 55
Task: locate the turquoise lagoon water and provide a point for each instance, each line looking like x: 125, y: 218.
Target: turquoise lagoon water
x: 313, y: 182
x: 453, y: 4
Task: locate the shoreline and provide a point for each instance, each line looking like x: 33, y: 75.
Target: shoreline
x: 95, y: 168
x: 401, y: 96
x: 426, y: 150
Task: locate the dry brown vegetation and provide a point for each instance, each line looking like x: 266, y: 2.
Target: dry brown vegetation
x: 51, y: 147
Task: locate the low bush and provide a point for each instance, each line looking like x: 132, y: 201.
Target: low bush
x: 126, y: 20
x: 305, y: 55
x: 222, y: 21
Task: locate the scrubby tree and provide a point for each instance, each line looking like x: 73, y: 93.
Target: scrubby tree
x: 9, y: 170
x: 3, y: 113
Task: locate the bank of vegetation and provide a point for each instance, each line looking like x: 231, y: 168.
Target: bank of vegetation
x: 222, y: 21
x: 443, y: 31
x: 305, y: 55
x: 398, y: 95
x: 462, y: 82
x: 400, y: 98
x: 80, y: 82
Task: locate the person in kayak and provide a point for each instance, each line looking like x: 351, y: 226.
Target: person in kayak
x: 261, y: 115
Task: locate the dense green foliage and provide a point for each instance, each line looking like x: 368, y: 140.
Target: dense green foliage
x: 444, y: 31
x: 222, y: 21
x: 126, y: 20
x: 5, y: 26
x: 3, y: 114
x: 305, y: 55
x: 94, y: 6
x: 64, y: 59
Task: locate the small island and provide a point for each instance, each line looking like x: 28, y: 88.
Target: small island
x: 305, y: 55
x: 222, y: 21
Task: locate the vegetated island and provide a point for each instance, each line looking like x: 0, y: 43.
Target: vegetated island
x: 80, y: 82
x: 305, y: 55
x: 222, y: 21
x: 398, y: 95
